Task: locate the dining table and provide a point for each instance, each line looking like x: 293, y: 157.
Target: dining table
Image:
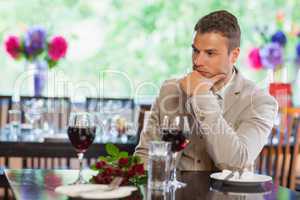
x: 53, y: 151
x: 41, y: 183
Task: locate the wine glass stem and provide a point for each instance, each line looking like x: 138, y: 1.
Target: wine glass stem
x: 173, y: 193
x: 80, y: 158
x: 173, y: 176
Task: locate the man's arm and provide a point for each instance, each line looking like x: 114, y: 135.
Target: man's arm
x: 229, y: 148
x: 167, y: 102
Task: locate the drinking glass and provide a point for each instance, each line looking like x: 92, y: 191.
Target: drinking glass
x: 81, y: 132
x: 159, y: 165
x: 14, y: 117
x: 33, y: 112
x: 177, y: 132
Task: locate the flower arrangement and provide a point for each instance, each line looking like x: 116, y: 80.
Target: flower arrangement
x: 40, y: 52
x: 35, y: 45
x: 118, y: 164
x: 271, y: 54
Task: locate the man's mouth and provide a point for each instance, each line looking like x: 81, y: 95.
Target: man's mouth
x: 205, y: 74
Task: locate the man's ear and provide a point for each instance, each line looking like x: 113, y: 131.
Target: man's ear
x: 234, y: 54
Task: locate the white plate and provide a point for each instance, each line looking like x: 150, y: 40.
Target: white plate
x: 256, y: 179
x: 94, y: 191
x: 252, y: 195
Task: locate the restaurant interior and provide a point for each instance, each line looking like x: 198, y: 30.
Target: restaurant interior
x: 101, y: 64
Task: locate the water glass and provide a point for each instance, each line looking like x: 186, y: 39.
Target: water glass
x: 159, y: 165
x: 51, y: 122
x: 14, y: 118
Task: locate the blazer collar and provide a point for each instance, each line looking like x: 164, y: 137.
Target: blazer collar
x: 221, y: 93
x: 233, y: 91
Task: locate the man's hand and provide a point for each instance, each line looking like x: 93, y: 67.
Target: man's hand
x: 194, y: 83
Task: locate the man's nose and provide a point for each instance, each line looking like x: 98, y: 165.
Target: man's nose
x: 198, y: 60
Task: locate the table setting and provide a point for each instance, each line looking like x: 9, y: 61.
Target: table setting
x: 35, y: 121
x: 118, y: 174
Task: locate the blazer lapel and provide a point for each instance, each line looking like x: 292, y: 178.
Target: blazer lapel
x: 233, y: 92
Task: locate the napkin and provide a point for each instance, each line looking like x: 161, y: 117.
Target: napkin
x: 95, y: 191
x: 246, y: 175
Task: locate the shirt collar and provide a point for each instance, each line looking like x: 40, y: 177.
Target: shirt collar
x: 222, y: 91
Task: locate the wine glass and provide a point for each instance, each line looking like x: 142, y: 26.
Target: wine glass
x: 177, y: 133
x: 81, y: 132
x: 33, y: 113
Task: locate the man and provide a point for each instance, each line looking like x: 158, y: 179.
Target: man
x: 231, y: 118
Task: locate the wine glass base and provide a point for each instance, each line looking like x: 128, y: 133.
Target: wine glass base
x: 177, y: 184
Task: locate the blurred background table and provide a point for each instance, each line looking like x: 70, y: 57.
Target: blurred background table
x: 34, y: 153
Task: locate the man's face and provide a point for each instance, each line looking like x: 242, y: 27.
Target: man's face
x: 210, y: 55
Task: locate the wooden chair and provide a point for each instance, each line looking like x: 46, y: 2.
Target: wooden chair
x: 5, y: 105
x: 279, y: 158
x: 5, y: 191
x: 57, y: 110
x: 143, y: 108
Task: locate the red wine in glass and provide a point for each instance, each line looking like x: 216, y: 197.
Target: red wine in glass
x: 81, y: 137
x: 176, y: 133
x: 176, y: 137
x: 81, y: 132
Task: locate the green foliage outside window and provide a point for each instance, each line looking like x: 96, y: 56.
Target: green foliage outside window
x: 128, y: 47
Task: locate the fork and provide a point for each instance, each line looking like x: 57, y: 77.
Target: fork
x: 229, y: 176
x: 240, y: 171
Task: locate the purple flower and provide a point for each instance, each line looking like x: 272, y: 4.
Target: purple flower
x: 280, y: 38
x: 298, y: 49
x: 271, y: 55
x: 298, y: 53
x: 35, y: 41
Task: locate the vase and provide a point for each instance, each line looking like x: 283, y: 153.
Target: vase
x: 40, y: 69
x: 279, y: 87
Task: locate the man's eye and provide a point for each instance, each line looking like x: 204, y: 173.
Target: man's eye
x: 210, y: 53
x: 195, y: 51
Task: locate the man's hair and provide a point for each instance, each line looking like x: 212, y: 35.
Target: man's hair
x: 221, y: 22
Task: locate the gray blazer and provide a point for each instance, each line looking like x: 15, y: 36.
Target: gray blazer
x: 227, y: 132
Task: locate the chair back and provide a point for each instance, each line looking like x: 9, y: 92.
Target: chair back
x: 5, y: 105
x: 279, y: 157
x: 143, y: 109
